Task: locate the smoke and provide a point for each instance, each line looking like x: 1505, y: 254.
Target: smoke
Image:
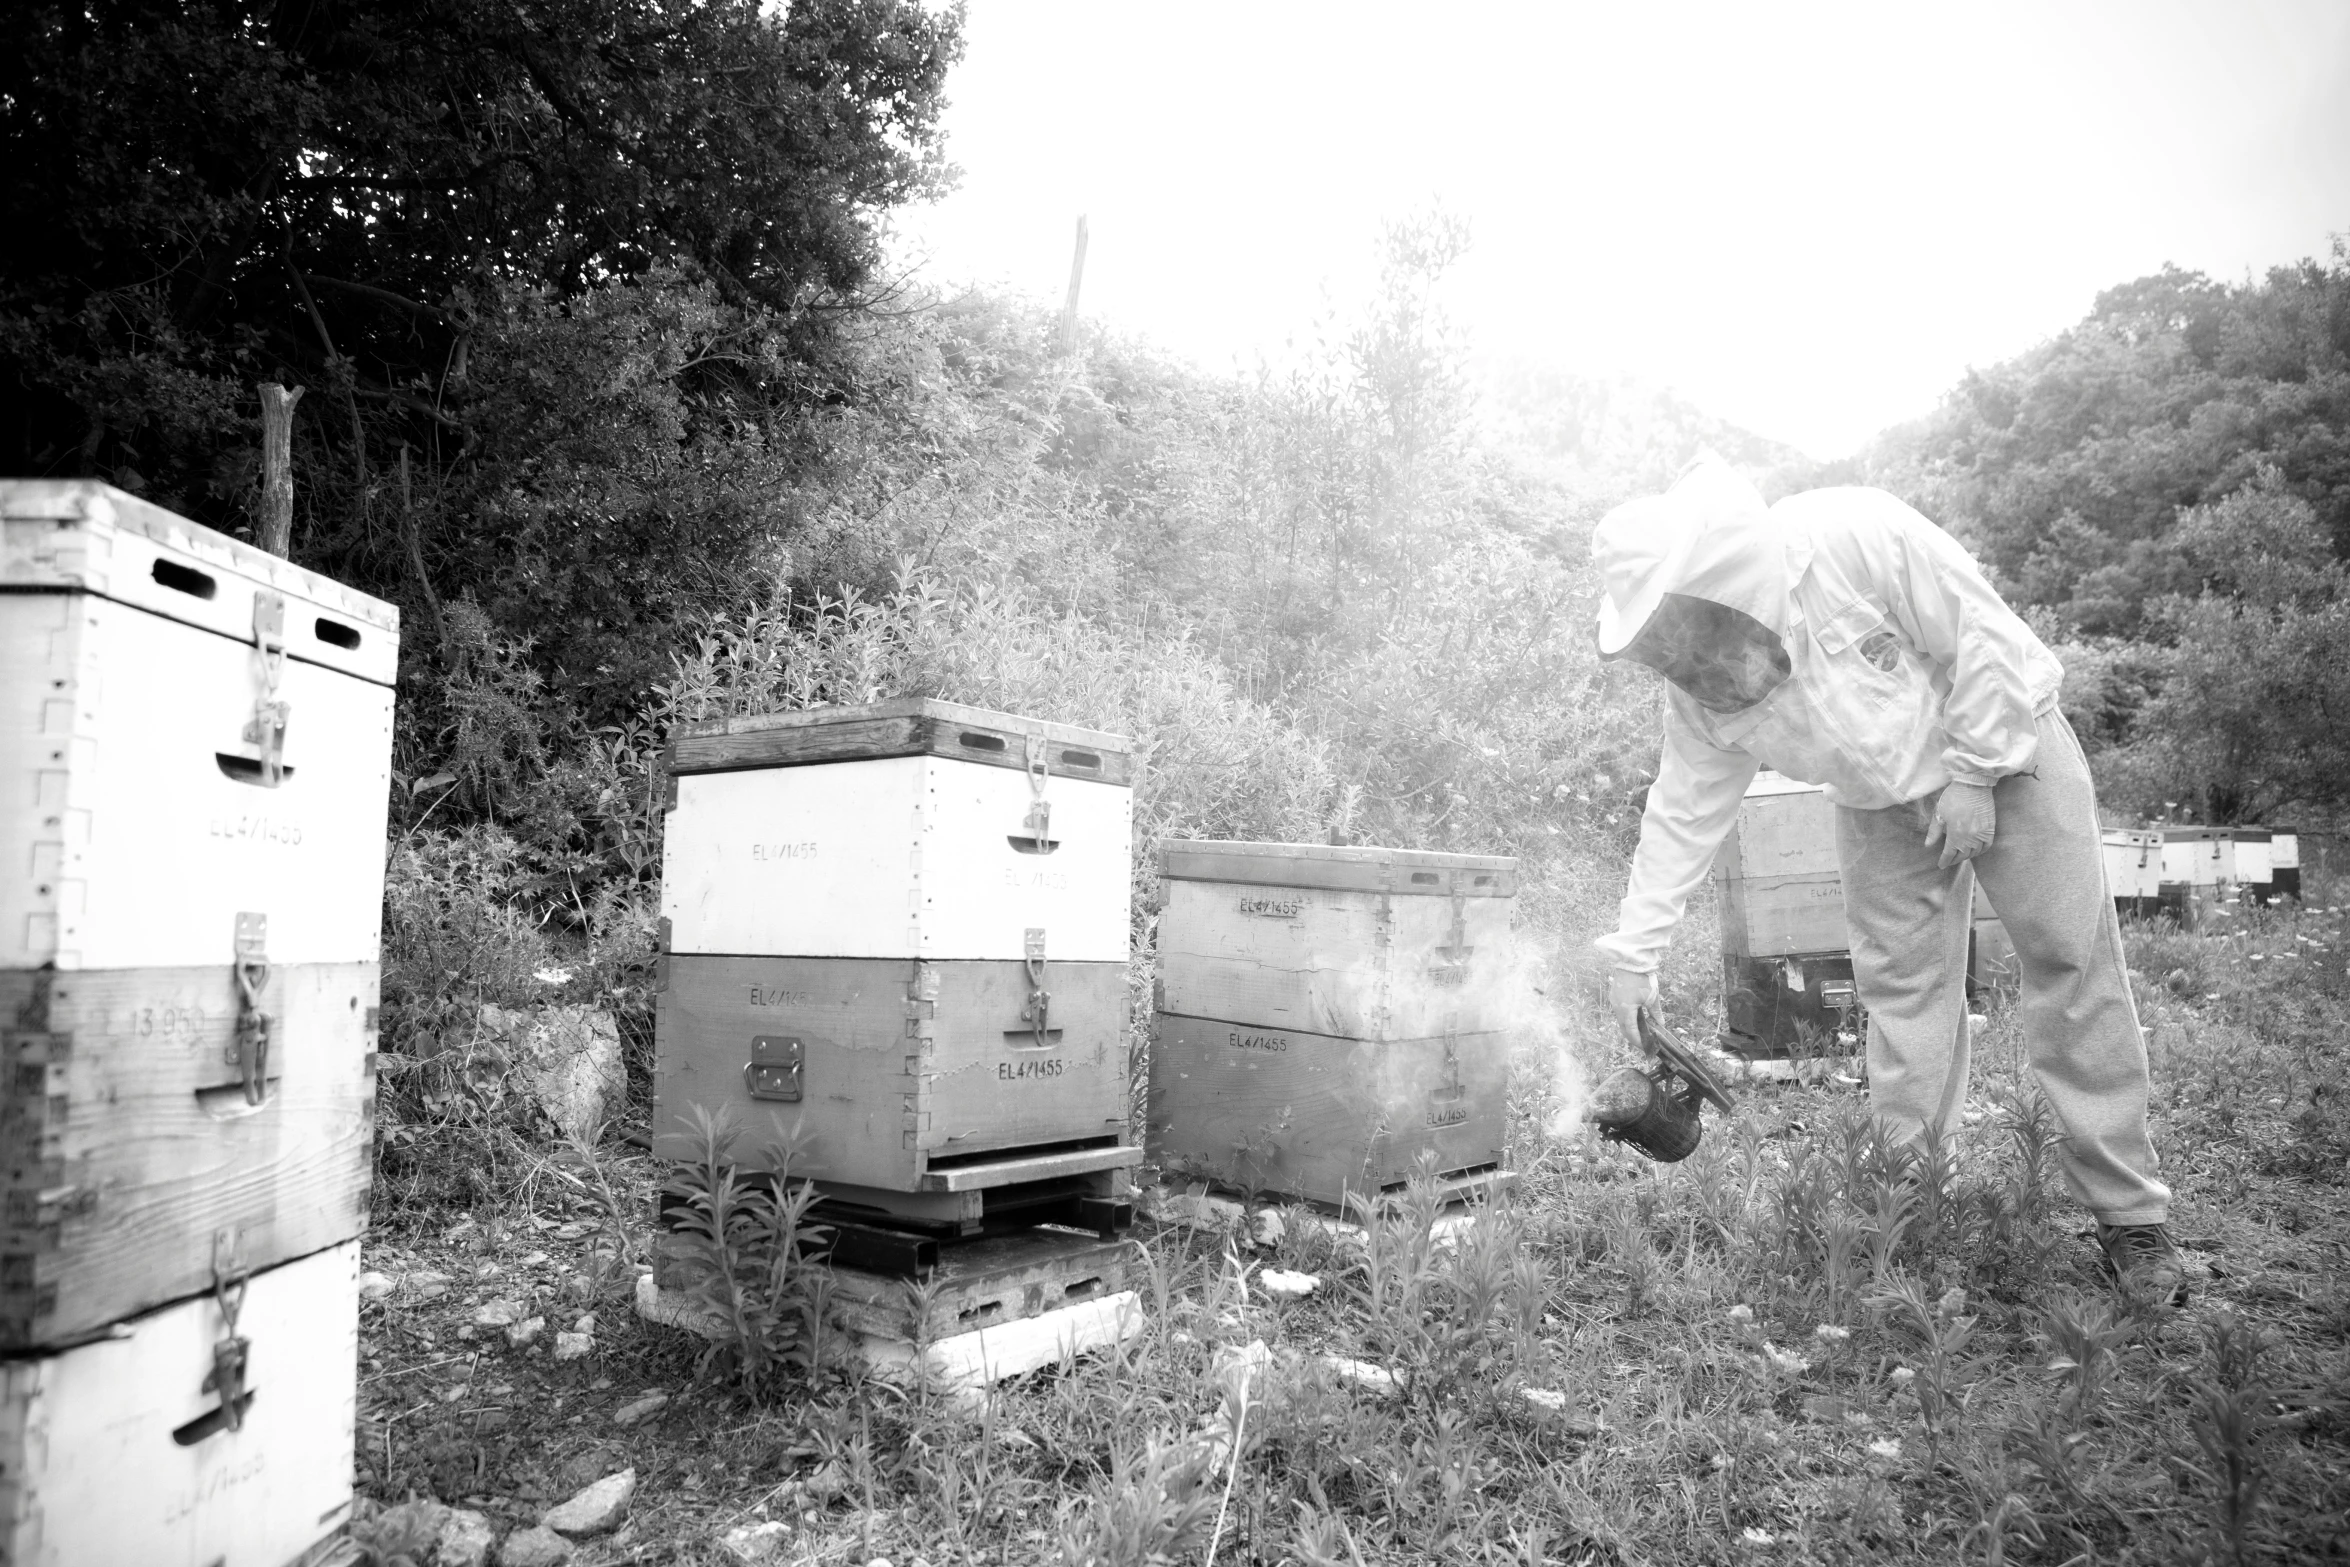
x: 1504, y: 986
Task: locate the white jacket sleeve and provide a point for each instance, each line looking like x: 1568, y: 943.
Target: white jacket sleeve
x: 1950, y: 612
x: 1690, y: 808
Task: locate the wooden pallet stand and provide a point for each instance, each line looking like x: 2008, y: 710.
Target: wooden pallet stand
x: 120, y: 1449
x: 1000, y: 1309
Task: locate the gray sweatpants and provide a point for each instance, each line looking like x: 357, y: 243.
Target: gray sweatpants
x: 2045, y: 874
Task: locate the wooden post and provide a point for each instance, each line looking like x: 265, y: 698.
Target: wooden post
x: 1076, y: 280
x: 277, y: 467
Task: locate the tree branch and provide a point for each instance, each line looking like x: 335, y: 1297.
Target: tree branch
x: 383, y: 296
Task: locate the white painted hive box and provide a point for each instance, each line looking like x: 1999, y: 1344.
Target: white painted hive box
x: 902, y: 829
x: 144, y: 802
x: 1782, y: 886
x: 2133, y: 863
x: 2197, y: 856
x: 116, y: 1451
x: 1347, y: 942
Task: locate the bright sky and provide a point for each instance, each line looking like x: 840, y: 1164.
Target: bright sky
x: 1807, y: 218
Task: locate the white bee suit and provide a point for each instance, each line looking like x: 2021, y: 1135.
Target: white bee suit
x: 1907, y: 672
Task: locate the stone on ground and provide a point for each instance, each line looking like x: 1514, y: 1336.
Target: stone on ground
x: 642, y: 1409
x: 758, y: 1542
x: 595, y: 1510
x: 571, y: 1346
x: 534, y: 1548
x: 465, y: 1540
x: 522, y: 1334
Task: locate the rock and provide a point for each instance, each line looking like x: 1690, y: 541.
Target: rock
x: 1267, y: 1228
x: 465, y: 1540
x: 535, y: 1259
x: 1286, y: 1284
x: 1543, y: 1398
x: 1370, y: 1378
x: 761, y: 1542
x: 567, y: 1057
x: 534, y: 1548
x: 643, y: 1409
x: 526, y: 1332
x: 572, y: 1346
x: 374, y: 1286
x: 586, y: 1324
x: 829, y: 1481
x: 497, y: 1314
x: 427, y: 1283
x: 595, y: 1510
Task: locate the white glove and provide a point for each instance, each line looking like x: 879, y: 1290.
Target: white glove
x: 1965, y: 821
x: 1628, y: 990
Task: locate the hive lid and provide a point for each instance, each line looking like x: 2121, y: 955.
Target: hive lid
x: 81, y: 536
x: 1768, y: 783
x: 902, y: 726
x: 1348, y: 869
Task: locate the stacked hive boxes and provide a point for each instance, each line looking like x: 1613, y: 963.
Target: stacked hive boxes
x: 2198, y: 872
x: 196, y: 740
x: 2133, y: 871
x: 1328, y: 1015
x: 896, y: 942
x: 1786, y: 953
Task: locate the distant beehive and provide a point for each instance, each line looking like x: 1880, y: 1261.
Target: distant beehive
x: 2133, y: 871
x: 1786, y: 950
x: 2198, y: 872
x: 902, y: 930
x: 1327, y: 1014
x: 197, y: 742
x: 2284, y: 863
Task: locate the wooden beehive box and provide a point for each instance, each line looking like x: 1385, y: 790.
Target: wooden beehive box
x: 2133, y: 870
x: 1351, y: 943
x: 2250, y: 851
x: 139, y: 812
x: 1782, y: 889
x: 2284, y: 863
x: 2198, y: 866
x: 898, y: 934
x: 116, y: 1450
x: 895, y: 1073
x: 903, y: 829
x: 1309, y: 1116
x: 131, y: 1142
x: 1328, y: 1015
x: 195, y: 750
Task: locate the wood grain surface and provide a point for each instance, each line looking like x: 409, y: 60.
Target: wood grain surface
x: 906, y: 1061
x: 128, y: 1140
x: 1354, y: 964
x: 1312, y: 1117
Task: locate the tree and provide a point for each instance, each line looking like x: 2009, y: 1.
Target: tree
x: 359, y: 196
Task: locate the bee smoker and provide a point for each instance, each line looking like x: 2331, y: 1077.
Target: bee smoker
x: 1655, y: 1108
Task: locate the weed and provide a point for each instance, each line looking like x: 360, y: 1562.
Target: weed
x: 743, y: 1248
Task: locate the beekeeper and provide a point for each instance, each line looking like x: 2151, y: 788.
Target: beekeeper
x: 1842, y: 639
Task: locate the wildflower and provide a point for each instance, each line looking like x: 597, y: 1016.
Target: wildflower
x: 1886, y: 1447
x: 1903, y: 1376
x: 1952, y: 1302
x: 1742, y: 1313
x: 1830, y: 1333
x: 1786, y: 1360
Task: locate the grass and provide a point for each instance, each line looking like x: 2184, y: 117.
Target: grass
x: 1801, y: 1345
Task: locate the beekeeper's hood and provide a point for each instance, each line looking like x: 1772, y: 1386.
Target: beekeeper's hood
x: 1710, y: 536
